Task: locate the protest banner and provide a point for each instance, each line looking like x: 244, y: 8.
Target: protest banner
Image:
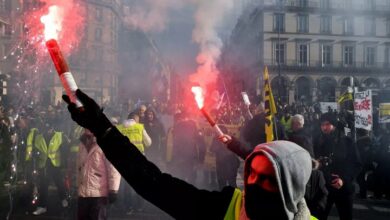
x: 384, y: 113
x: 324, y: 106
x: 363, y: 109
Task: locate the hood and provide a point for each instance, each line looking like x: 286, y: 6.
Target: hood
x: 292, y: 166
x: 128, y: 122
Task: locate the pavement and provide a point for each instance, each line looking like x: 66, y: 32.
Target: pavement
x: 368, y: 209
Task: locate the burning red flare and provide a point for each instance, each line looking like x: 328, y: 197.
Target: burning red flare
x: 53, y: 22
x: 199, y: 97
x: 53, y: 26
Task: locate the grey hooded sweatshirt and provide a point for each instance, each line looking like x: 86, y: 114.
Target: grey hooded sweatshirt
x: 293, y: 167
x: 183, y: 201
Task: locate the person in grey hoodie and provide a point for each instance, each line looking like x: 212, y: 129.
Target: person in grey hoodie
x: 275, y: 176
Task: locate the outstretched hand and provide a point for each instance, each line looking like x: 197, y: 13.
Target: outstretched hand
x: 225, y: 138
x: 90, y: 116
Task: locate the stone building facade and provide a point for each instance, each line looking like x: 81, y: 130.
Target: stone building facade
x: 314, y: 46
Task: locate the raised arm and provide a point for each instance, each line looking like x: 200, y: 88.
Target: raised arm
x: 178, y: 198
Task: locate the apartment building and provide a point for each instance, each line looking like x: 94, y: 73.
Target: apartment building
x: 314, y: 47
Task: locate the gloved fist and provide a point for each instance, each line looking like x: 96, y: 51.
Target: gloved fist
x: 112, y: 196
x: 225, y: 138
x: 90, y: 116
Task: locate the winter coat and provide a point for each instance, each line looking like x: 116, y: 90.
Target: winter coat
x: 315, y: 192
x: 304, y: 140
x: 254, y: 131
x: 344, y: 159
x: 182, y: 200
x: 96, y: 175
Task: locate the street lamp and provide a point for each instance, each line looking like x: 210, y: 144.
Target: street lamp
x: 279, y: 7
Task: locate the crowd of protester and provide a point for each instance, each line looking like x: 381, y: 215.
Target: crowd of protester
x: 180, y: 145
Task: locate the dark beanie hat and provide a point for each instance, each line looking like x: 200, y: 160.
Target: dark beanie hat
x: 330, y: 117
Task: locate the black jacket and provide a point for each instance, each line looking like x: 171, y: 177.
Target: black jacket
x: 174, y: 196
x: 344, y: 159
x: 302, y: 139
x: 254, y: 131
x: 316, y: 192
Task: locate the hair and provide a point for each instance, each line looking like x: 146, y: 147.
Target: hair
x: 260, y: 107
x: 132, y: 115
x: 299, y: 118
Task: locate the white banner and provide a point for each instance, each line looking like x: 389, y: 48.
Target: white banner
x: 384, y: 113
x: 363, y: 109
x: 324, y: 106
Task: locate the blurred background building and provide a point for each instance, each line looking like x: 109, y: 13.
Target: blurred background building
x: 312, y: 47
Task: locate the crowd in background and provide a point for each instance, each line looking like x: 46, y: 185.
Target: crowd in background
x: 181, y: 143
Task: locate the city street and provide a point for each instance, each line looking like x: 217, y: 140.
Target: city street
x: 370, y: 209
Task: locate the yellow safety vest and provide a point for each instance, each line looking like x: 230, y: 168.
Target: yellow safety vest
x: 29, y: 147
x: 286, y: 124
x: 78, y: 131
x: 234, y: 209
x: 50, y: 151
x: 135, y: 134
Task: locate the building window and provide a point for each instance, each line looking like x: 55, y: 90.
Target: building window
x: 348, y: 4
x: 369, y: 26
x: 98, y: 34
x: 279, y: 53
x: 99, y: 14
x: 348, y: 26
x: 303, y: 3
x: 387, y: 56
x: 326, y: 25
x: 326, y: 55
x: 369, y: 56
x: 324, y: 4
x: 303, y: 54
x: 388, y: 26
x: 349, y: 54
x: 2, y: 29
x: 303, y: 23
x: 8, y: 30
x: 98, y: 54
x: 370, y: 4
x: 2, y: 51
x: 279, y: 22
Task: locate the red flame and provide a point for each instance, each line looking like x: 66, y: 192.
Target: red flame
x: 199, y: 97
x: 62, y: 21
x: 53, y: 22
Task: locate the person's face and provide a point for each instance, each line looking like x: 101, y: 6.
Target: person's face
x: 136, y: 118
x: 262, y: 173
x: 295, y: 125
x: 50, y: 130
x: 327, y: 127
x: 21, y: 123
x: 142, y: 110
x: 262, y: 197
x: 88, y: 139
x: 150, y: 116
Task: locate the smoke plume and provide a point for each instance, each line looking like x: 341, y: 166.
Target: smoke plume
x: 208, y: 16
x: 151, y: 15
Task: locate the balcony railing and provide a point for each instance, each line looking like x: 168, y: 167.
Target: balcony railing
x: 314, y: 4
x: 4, y: 16
x: 315, y: 64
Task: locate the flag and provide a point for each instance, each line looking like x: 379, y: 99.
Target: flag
x: 345, y: 97
x: 220, y: 101
x: 270, y: 108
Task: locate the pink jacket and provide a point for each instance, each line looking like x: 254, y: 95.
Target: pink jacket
x: 96, y: 175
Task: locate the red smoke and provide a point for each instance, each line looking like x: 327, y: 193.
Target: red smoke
x: 72, y: 22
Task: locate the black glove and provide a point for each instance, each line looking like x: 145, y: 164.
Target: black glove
x: 112, y: 196
x: 90, y: 116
